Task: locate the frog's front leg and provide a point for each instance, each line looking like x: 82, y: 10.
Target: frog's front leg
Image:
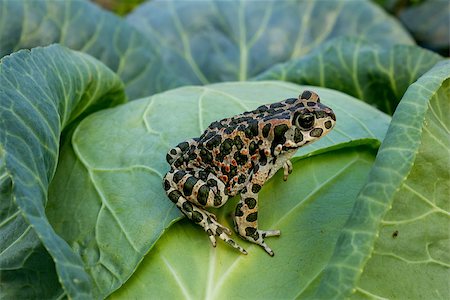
x: 191, y: 192
x: 246, y: 218
x: 287, y: 169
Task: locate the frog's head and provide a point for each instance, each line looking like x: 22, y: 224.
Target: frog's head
x: 310, y: 120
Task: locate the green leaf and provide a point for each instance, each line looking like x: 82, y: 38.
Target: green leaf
x: 117, y: 203
x: 81, y: 25
x: 376, y: 74
x: 212, y: 41
x: 42, y: 92
x: 434, y: 34
x: 396, y: 241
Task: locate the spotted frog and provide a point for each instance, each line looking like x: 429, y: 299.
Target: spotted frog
x: 238, y: 155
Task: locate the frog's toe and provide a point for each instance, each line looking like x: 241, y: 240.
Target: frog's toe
x: 224, y: 229
x: 258, y: 238
x: 224, y: 235
x: 211, y: 215
x: 211, y: 236
x: 265, y: 233
x: 213, y: 229
x: 267, y: 248
x: 232, y: 243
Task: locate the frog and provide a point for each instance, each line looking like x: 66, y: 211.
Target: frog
x: 238, y: 155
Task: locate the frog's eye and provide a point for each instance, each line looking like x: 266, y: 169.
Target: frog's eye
x: 305, y: 121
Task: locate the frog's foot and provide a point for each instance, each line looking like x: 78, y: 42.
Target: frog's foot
x: 205, y: 219
x: 213, y: 229
x: 287, y: 169
x: 257, y: 236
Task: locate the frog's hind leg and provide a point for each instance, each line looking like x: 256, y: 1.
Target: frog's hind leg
x: 246, y: 219
x: 192, y: 206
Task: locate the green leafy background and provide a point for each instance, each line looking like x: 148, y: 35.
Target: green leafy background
x: 39, y: 100
x: 77, y: 220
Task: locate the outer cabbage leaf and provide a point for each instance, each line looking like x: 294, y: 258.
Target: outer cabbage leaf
x: 396, y: 241
x: 211, y: 41
x: 428, y: 21
x: 114, y: 190
x: 434, y: 34
x: 378, y: 75
x: 42, y: 92
x: 81, y: 25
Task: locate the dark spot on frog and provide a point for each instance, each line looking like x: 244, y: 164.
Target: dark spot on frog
x: 256, y: 188
x: 238, y: 142
x: 395, y: 234
x: 178, y: 162
x: 229, y: 129
x: 255, y: 167
x: 178, y: 175
x: 266, y: 130
x: 219, y: 231
x: 238, y: 212
x: 306, y: 95
x: 187, y: 206
x: 290, y: 100
x: 189, y: 185
x: 249, y: 231
x: 183, y: 146
x: 298, y: 136
x: 206, y: 156
x: 203, y: 193
x: 252, y: 129
x: 328, y: 124
x: 251, y: 202
x: 252, y: 217
x: 217, y: 200
x: 239, y: 120
x: 192, y: 154
x: 197, y: 217
x: 174, y: 196
x: 211, y: 182
x: 311, y: 104
x: 276, y: 105
x: 316, y: 132
x: 279, y: 137
x: 208, y: 135
x: 173, y: 151
x: 166, y: 185
x: 253, y: 147
x: 262, y: 158
x: 252, y: 232
x: 320, y: 114
x: 241, y: 178
x: 233, y: 171
x: 203, y: 175
x: 241, y: 159
x: 214, y: 142
x: 226, y: 146
x: 215, y: 125
x: 271, y: 117
x: 244, y: 190
x: 261, y: 109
